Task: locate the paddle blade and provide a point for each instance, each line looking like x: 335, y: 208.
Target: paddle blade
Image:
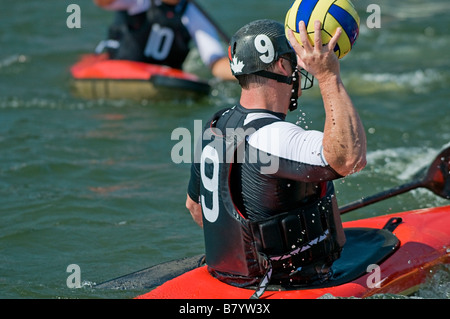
x: 438, y: 176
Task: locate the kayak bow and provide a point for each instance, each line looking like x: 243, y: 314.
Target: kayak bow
x: 96, y: 76
x: 423, y: 243
x: 400, y: 249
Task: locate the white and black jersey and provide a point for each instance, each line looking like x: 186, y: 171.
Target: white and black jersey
x: 154, y: 32
x: 283, y: 167
x: 266, y: 191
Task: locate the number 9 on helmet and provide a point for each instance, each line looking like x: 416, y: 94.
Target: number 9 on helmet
x: 332, y: 14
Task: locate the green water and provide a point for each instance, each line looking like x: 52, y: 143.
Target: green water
x: 92, y: 183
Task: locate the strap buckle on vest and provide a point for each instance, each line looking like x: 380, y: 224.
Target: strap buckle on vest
x: 268, y: 263
x: 264, y: 281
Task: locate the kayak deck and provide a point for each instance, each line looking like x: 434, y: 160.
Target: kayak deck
x: 96, y: 76
x: 424, y: 243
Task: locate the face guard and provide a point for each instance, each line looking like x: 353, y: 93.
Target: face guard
x: 307, y: 80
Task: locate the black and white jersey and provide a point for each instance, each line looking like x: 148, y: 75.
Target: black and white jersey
x: 154, y: 32
x: 282, y: 169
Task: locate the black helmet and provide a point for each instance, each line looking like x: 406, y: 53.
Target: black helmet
x: 257, y: 45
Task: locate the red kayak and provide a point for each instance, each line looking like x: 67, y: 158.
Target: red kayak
x: 96, y: 76
x: 384, y: 254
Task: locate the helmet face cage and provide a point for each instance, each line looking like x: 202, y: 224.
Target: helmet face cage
x: 307, y: 80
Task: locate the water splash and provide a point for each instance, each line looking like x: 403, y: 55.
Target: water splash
x: 438, y: 284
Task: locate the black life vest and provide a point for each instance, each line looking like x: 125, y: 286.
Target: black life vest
x: 157, y: 36
x: 296, y: 244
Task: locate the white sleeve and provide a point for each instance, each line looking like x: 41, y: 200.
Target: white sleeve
x: 131, y: 6
x: 290, y: 142
x: 204, y: 34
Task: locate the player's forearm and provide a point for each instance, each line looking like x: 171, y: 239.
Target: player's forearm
x: 344, y: 141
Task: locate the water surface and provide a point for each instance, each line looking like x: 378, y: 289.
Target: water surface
x: 92, y: 182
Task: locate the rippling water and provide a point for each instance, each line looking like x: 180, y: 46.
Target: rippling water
x: 92, y: 183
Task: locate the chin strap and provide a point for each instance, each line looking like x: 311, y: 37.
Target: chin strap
x: 294, y: 95
x: 277, y: 77
x: 294, y: 79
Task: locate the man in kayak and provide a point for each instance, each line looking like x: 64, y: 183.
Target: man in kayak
x: 160, y: 31
x: 262, y: 187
